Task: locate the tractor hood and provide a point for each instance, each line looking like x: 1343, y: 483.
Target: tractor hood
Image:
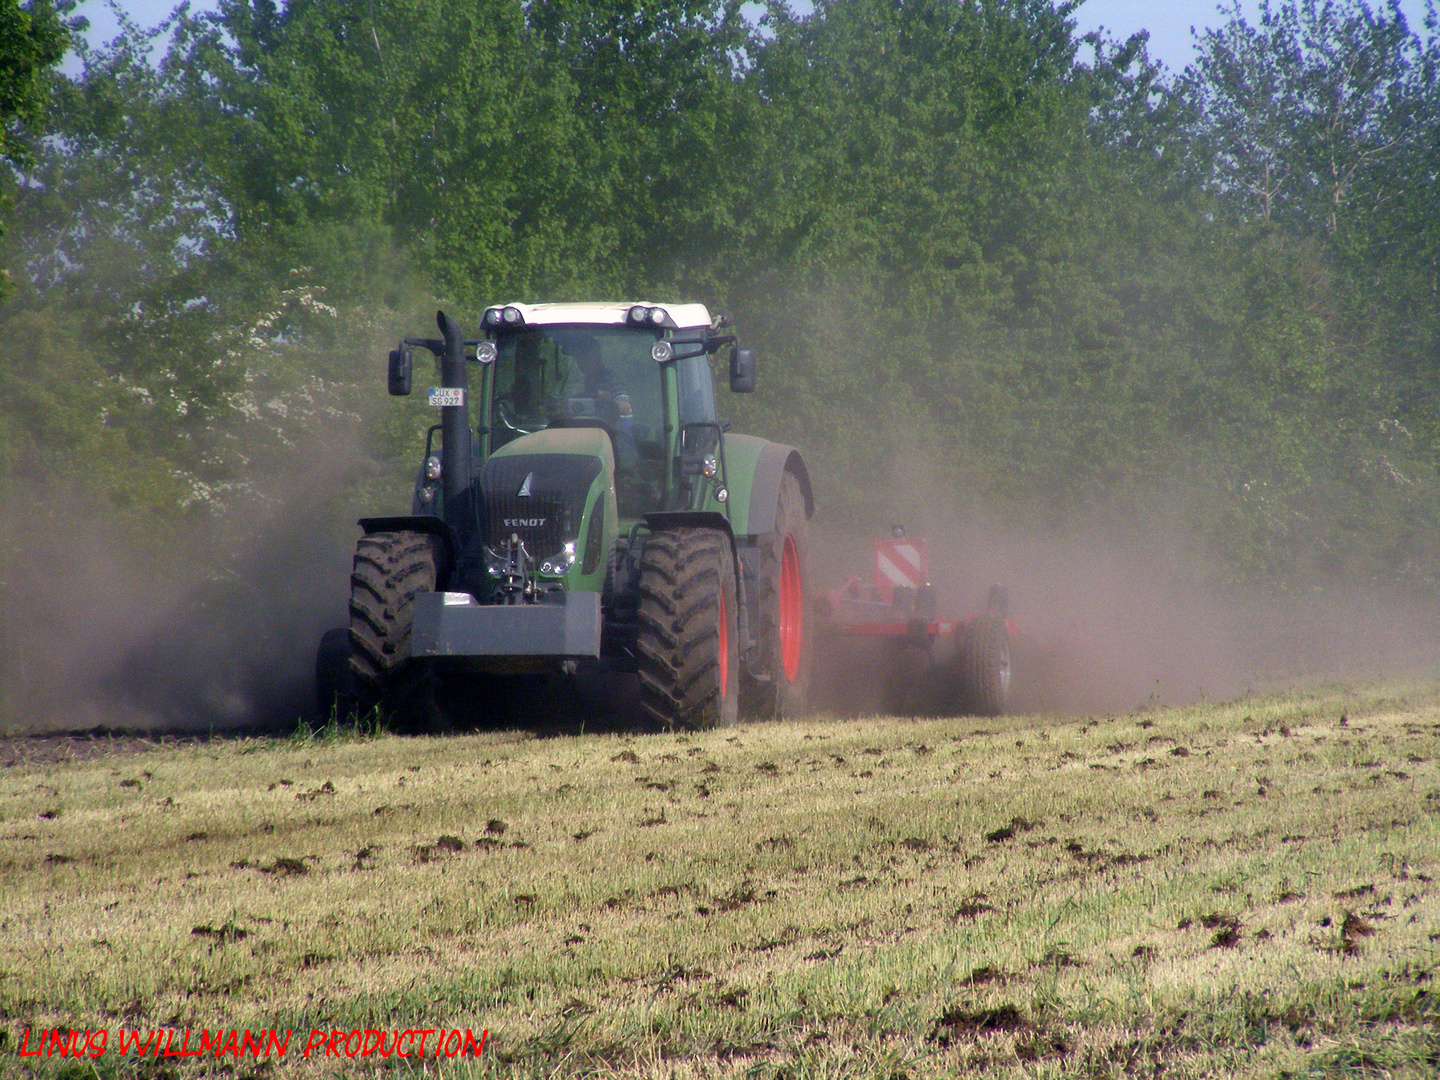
x: 593, y: 441
x: 538, y: 487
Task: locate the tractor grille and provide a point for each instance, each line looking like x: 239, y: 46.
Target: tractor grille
x: 548, y: 514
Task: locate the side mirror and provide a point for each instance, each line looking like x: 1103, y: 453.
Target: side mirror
x: 399, y: 372
x: 742, y: 371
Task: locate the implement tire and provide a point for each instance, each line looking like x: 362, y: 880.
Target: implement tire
x: 983, y: 667
x: 786, y: 634
x: 390, y: 569
x: 689, y: 641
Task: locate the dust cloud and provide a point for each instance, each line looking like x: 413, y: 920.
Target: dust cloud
x: 207, y: 629
x: 216, y: 630
x: 1108, y: 625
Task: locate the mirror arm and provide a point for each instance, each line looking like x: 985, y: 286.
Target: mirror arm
x: 436, y: 346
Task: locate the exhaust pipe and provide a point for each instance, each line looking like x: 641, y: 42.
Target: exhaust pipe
x: 454, y: 419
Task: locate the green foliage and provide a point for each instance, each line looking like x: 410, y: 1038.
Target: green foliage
x: 33, y: 38
x: 990, y: 265
x: 1304, y: 111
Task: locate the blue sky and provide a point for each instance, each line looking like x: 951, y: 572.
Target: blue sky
x: 1169, y: 21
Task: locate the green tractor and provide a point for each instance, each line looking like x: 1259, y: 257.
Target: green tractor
x: 585, y: 508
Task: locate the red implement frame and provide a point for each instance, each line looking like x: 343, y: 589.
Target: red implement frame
x: 928, y: 665
x: 900, y: 603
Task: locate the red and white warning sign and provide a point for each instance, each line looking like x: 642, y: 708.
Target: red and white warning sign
x: 900, y: 562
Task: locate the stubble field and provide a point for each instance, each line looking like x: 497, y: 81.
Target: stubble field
x: 1242, y: 889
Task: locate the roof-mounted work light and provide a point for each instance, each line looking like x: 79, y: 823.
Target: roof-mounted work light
x: 640, y: 315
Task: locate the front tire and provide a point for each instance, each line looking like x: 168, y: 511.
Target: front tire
x: 390, y: 570
x: 689, y: 640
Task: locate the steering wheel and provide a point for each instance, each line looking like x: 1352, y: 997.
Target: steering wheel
x: 505, y: 413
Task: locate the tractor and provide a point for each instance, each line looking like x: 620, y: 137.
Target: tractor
x: 583, y: 508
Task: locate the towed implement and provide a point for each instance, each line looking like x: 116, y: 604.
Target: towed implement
x: 584, y: 507
x: 929, y: 665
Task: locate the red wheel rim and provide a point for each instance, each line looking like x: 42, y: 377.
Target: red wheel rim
x: 792, y: 610
x: 724, y: 648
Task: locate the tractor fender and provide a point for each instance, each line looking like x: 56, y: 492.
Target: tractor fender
x: 673, y: 519
x: 774, y: 462
x: 421, y: 523
x: 660, y: 520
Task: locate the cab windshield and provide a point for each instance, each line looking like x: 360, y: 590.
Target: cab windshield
x: 553, y: 375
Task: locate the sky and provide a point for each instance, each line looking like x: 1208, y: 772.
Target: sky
x: 1169, y: 21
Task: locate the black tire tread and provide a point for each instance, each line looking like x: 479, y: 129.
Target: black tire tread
x: 681, y: 574
x: 389, y: 570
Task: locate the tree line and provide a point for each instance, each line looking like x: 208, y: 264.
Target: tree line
x: 988, y: 261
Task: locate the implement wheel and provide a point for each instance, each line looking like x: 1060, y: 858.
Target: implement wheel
x: 786, y: 634
x: 983, y: 664
x: 689, y: 641
x: 390, y: 569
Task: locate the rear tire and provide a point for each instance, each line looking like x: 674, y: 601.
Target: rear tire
x: 786, y: 634
x: 390, y: 569
x: 983, y: 664
x: 689, y: 640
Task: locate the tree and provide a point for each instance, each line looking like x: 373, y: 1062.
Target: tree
x: 33, y: 38
x: 961, y: 236
x: 1304, y: 109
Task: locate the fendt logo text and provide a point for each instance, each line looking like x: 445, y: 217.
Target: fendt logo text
x: 524, y: 523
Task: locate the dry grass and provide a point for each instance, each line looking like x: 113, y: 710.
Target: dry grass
x: 1244, y: 889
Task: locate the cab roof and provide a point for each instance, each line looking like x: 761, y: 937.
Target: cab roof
x: 684, y: 316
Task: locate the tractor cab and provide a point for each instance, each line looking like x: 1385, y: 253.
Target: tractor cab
x: 576, y: 375
x: 586, y: 420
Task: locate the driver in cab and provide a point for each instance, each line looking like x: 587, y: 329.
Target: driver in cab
x: 612, y: 402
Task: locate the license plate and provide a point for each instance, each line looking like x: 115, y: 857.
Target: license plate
x: 442, y: 397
